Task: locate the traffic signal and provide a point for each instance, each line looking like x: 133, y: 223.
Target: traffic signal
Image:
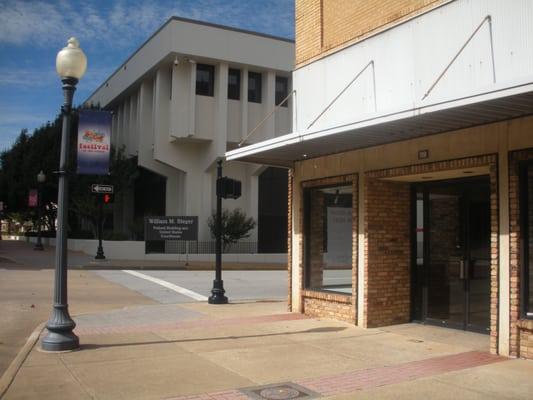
x: 108, y: 198
x: 228, y: 188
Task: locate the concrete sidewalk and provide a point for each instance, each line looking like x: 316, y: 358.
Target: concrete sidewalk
x: 256, y: 350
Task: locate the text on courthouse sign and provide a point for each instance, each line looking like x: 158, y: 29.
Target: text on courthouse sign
x: 171, y: 228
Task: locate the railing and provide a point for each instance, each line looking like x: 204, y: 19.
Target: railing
x: 198, y: 247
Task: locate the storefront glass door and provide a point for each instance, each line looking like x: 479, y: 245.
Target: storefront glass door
x: 451, y: 273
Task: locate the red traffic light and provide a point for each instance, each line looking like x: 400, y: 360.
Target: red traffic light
x: 107, y: 198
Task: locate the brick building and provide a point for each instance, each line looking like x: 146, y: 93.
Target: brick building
x: 411, y: 165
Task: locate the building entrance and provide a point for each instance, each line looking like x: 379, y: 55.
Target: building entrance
x: 451, y: 253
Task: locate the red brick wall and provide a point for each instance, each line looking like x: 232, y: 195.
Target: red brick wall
x: 387, y: 260
x: 521, y: 331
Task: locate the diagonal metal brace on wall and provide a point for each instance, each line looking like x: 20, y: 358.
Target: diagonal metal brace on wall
x: 488, y: 19
x: 371, y: 63
x: 267, y: 117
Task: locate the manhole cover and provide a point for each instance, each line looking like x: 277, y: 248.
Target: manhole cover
x: 280, y: 391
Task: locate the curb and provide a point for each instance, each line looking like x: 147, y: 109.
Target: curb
x: 11, y: 372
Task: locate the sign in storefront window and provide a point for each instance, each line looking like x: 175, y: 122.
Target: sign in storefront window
x: 328, y: 238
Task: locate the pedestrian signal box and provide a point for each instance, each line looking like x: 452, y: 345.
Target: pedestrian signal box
x: 228, y: 188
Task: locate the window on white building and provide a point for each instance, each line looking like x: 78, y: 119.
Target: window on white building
x: 205, y: 80
x: 254, y: 87
x: 234, y: 84
x: 282, y: 90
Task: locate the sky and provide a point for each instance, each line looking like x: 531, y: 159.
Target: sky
x: 32, y: 32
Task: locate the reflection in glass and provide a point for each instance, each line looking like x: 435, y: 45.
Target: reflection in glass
x: 329, y: 238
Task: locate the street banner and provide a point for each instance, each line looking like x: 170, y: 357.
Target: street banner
x: 33, y: 198
x: 170, y: 228
x: 94, y: 142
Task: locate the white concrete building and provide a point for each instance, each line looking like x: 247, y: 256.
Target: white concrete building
x: 191, y: 92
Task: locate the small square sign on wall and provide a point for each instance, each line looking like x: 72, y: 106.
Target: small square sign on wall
x: 423, y: 154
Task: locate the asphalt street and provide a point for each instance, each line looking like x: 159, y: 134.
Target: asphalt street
x: 189, y: 286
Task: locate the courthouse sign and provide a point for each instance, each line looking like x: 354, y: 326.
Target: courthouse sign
x: 171, y: 228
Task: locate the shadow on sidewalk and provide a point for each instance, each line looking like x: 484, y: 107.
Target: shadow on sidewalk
x: 313, y: 330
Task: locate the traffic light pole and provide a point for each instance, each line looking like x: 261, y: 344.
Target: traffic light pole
x: 217, y: 293
x: 100, y: 251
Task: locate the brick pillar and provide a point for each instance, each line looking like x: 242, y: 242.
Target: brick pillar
x: 387, y: 259
x: 521, y: 330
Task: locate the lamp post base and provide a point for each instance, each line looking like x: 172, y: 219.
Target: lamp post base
x: 60, y: 336
x: 217, y: 293
x: 99, y: 254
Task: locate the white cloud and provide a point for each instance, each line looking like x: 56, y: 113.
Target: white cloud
x: 123, y: 22
x: 27, y: 77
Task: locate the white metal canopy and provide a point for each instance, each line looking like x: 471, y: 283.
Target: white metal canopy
x: 498, y: 105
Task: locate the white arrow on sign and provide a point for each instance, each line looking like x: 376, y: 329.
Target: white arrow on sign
x: 96, y: 188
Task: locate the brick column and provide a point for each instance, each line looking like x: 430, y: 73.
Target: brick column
x: 387, y: 259
x: 521, y: 330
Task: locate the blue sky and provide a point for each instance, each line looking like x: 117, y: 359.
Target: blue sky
x: 32, y: 32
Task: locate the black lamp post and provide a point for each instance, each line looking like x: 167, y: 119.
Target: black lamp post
x: 41, y: 178
x: 217, y: 292
x: 71, y: 64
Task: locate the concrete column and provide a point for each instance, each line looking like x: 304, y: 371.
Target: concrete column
x: 133, y: 147
x: 120, y: 125
x: 244, y: 103
x: 269, y: 102
x: 221, y: 108
x: 127, y: 127
x: 504, y: 245
x: 192, y: 98
x: 172, y: 195
x: 114, y: 127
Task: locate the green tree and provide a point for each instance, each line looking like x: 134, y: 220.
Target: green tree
x: 235, y: 226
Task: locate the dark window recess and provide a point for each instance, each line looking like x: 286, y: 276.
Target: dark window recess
x: 282, y: 90
x: 234, y: 84
x: 254, y: 87
x: 205, y: 80
x: 526, y: 211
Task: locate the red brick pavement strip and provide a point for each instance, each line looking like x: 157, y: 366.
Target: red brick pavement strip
x: 198, y: 323
x: 381, y: 376
x: 374, y: 377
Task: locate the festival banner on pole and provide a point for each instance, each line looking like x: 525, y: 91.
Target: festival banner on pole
x: 94, y: 142
x: 33, y: 198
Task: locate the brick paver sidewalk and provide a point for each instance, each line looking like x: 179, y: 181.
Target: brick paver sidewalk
x: 368, y: 378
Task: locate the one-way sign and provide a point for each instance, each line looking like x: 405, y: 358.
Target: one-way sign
x: 97, y: 188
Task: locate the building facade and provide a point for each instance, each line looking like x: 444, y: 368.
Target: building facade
x: 411, y: 166
x: 191, y: 92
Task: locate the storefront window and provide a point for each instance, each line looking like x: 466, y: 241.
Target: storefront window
x: 328, y: 238
x: 526, y: 191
